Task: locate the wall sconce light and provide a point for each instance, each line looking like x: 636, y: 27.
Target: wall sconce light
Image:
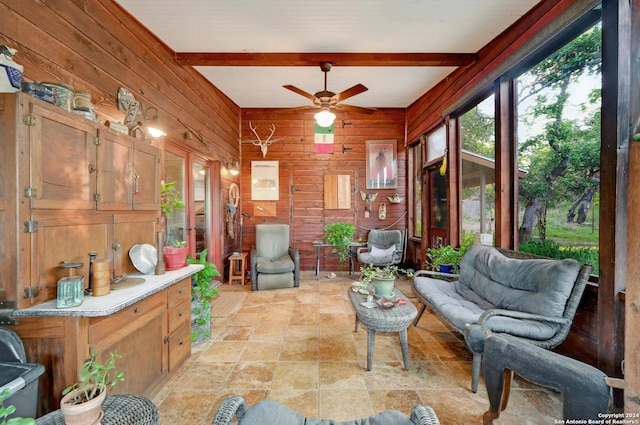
x: 153, y: 126
x: 232, y: 165
x: 325, y: 118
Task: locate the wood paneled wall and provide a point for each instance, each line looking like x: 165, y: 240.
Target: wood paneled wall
x: 302, y: 171
x: 94, y: 45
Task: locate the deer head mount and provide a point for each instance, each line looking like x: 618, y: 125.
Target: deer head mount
x: 264, y: 144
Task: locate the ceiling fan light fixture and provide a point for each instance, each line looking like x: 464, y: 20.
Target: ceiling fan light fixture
x: 325, y: 118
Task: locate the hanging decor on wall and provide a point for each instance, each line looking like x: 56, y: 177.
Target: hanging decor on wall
x: 264, y: 144
x: 382, y: 164
x: 323, y: 139
x: 265, y: 184
x: 368, y: 199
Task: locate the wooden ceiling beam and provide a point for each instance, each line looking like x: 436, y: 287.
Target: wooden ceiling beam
x: 336, y: 59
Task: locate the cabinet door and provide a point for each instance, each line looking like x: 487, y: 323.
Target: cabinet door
x: 63, y: 154
x: 138, y: 334
x: 146, y: 177
x: 129, y: 229
x: 61, y: 236
x: 115, y: 178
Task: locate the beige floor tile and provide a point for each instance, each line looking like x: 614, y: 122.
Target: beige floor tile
x: 341, y: 375
x: 261, y: 351
x: 304, y: 401
x: 344, y: 405
x: 251, y: 375
x: 295, y: 375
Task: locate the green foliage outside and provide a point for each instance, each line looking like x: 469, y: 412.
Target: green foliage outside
x: 552, y: 249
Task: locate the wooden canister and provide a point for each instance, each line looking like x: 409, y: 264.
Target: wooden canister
x: 101, y: 278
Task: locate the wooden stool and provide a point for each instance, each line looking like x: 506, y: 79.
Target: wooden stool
x: 234, y: 261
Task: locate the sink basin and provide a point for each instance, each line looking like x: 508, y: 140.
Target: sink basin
x: 127, y: 282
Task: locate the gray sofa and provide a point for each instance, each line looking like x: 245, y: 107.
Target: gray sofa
x: 506, y: 292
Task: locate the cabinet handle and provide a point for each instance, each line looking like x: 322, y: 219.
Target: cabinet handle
x: 136, y: 189
x: 181, y: 343
x: 180, y: 291
x: 180, y: 314
x: 92, y: 168
x: 137, y: 310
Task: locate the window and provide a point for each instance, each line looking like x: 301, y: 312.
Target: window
x: 477, y: 133
x: 558, y: 130
x: 416, y: 172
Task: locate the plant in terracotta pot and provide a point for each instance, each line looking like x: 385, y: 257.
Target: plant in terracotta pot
x: 340, y: 235
x: 174, y: 251
x: 81, y: 403
x: 381, y: 278
x: 203, y: 290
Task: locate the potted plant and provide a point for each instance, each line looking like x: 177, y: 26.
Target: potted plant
x: 203, y: 290
x: 174, y: 253
x: 81, y: 403
x: 340, y: 235
x: 6, y: 411
x: 444, y: 258
x: 381, y: 278
x: 175, y: 256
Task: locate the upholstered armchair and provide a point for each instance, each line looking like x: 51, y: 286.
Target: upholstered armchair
x: 274, y: 264
x: 384, y: 247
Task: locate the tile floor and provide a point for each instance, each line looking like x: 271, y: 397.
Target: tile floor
x: 298, y: 346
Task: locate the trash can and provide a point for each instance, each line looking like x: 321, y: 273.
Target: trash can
x: 21, y: 379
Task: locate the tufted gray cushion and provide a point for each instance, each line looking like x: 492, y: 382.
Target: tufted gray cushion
x: 460, y: 306
x: 533, y: 286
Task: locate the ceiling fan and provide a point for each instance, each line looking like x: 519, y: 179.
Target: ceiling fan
x: 327, y: 100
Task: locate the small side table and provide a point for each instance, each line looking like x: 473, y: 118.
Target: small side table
x: 237, y: 267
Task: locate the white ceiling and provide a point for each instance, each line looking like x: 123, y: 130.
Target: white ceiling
x: 326, y: 26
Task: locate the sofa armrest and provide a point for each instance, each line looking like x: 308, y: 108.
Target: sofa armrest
x: 430, y: 273
x: 362, y: 249
x: 520, y: 315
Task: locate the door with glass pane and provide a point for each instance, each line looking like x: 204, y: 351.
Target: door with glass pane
x: 200, y: 232
x: 174, y: 171
x: 437, y: 207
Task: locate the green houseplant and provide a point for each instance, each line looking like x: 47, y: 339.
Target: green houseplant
x: 381, y: 278
x: 203, y: 290
x: 444, y: 258
x: 6, y: 411
x: 82, y: 401
x: 340, y: 235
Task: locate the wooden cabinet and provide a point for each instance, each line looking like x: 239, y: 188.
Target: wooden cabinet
x: 68, y: 186
x: 179, y: 304
x: 138, y: 334
x: 153, y: 336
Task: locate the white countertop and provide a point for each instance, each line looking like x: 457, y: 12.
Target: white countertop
x: 116, y: 300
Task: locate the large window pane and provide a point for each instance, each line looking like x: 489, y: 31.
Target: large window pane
x: 559, y: 150
x: 478, y: 129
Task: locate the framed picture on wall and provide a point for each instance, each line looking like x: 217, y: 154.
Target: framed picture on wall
x: 264, y: 181
x: 382, y: 164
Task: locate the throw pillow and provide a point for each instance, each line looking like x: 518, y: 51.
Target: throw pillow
x: 377, y: 252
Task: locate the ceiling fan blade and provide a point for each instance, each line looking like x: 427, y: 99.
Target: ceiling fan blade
x: 351, y: 108
x: 357, y: 89
x: 300, y: 92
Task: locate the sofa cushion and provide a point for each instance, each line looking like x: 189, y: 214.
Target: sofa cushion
x: 533, y: 286
x: 447, y: 300
x: 272, y: 412
x: 378, y: 252
x: 281, y: 264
